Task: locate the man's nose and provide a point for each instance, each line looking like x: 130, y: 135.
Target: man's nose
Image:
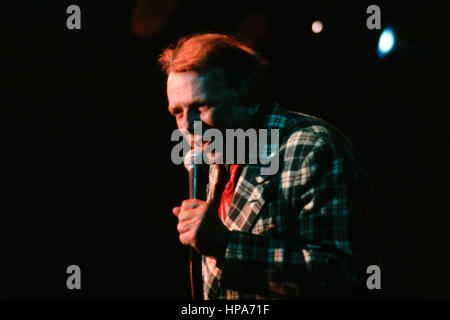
x: 191, y: 117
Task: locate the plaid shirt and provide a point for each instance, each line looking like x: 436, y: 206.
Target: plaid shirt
x: 292, y: 231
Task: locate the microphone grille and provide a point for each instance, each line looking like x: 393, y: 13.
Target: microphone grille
x: 191, y: 159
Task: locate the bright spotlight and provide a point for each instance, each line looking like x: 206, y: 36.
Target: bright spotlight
x: 317, y: 26
x: 386, y: 42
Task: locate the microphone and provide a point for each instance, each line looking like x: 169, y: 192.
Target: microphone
x: 191, y: 163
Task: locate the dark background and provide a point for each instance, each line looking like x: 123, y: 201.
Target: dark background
x: 87, y: 150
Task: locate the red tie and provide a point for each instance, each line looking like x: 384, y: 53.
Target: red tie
x: 228, y: 192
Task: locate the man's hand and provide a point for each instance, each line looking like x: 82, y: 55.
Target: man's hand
x: 201, y: 228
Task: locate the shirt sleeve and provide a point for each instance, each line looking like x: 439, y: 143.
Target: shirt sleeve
x: 314, y: 255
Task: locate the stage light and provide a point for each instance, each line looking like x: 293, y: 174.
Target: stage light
x: 386, y: 42
x: 317, y: 26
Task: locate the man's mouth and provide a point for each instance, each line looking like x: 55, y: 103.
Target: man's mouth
x: 197, y: 142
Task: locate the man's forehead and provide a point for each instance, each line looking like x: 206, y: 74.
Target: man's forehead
x: 185, y: 84
x: 187, y: 87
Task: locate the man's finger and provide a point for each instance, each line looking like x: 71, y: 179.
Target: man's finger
x: 187, y: 215
x: 186, y: 238
x: 184, y: 227
x: 176, y: 211
x: 190, y: 203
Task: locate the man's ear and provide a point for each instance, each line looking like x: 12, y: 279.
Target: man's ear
x: 253, y: 110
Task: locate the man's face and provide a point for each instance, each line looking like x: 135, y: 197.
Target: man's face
x: 195, y: 97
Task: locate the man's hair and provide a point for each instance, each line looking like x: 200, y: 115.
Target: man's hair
x: 222, y: 55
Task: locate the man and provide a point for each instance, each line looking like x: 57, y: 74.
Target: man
x: 291, y: 234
